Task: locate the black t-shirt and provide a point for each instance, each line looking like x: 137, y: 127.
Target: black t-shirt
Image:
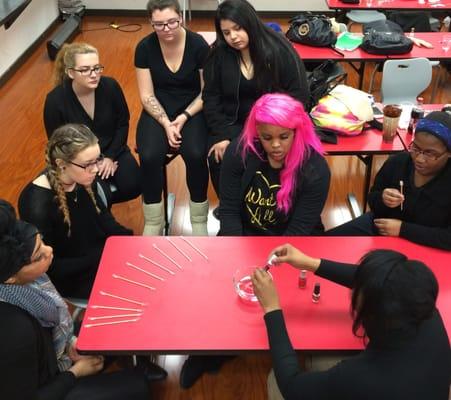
x: 248, y: 95
x: 174, y: 90
x: 261, y: 216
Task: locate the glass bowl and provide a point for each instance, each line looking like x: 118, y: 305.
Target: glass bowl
x: 243, y: 284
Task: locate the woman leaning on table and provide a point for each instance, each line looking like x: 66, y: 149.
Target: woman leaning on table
x: 248, y: 60
x: 83, y: 96
x: 38, y: 359
x: 420, y: 210
x: 274, y: 179
x: 169, y: 65
x: 64, y: 205
x: 407, y: 353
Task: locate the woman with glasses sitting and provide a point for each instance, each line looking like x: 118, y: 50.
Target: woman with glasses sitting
x: 411, y: 196
x: 169, y: 65
x: 63, y: 204
x: 83, y: 96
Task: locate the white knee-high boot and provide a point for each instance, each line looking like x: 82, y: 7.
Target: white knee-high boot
x: 198, y: 217
x: 153, y: 219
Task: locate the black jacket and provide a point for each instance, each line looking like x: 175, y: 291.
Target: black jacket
x: 415, y: 367
x: 312, y: 187
x: 221, y: 91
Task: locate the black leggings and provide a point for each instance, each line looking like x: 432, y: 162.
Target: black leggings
x: 110, y: 386
x: 126, y: 179
x: 153, y: 146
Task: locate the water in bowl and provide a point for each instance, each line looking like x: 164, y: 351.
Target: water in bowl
x: 245, y: 289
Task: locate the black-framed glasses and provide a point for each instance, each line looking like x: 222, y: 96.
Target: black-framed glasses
x: 89, y: 167
x: 97, y: 69
x: 171, y: 24
x: 429, y: 155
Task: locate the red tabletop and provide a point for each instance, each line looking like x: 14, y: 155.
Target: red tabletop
x: 369, y: 142
x: 197, y: 309
x: 439, y: 5
x: 323, y: 53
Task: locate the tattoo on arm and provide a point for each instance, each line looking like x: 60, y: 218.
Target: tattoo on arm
x: 155, y: 109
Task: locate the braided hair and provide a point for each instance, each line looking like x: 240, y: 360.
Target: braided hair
x: 65, y: 144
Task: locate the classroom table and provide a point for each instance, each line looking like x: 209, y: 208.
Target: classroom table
x: 393, y: 5
x: 311, y: 53
x: 196, y: 310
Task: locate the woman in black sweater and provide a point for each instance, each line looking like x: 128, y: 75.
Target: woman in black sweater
x: 274, y: 180
x: 248, y: 60
x: 64, y: 205
x: 411, y: 195
x: 83, y: 96
x: 407, y: 353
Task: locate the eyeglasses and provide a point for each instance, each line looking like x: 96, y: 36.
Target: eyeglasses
x: 171, y: 24
x: 429, y: 155
x: 97, y: 69
x: 90, y: 167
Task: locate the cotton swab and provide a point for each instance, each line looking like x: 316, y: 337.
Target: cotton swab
x: 179, y: 249
x: 158, y: 265
x: 167, y: 256
x: 117, y: 308
x: 122, y: 298
x: 146, y: 272
x: 194, y: 247
x: 114, y: 316
x: 401, y: 189
x: 111, y: 323
x: 122, y: 278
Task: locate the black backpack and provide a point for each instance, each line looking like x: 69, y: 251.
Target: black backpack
x: 385, y: 37
x: 313, y: 30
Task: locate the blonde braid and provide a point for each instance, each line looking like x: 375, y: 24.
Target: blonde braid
x: 64, y: 145
x: 55, y: 183
x: 93, y: 197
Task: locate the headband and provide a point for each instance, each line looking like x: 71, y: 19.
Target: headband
x: 435, y: 128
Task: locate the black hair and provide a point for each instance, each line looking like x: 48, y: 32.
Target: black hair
x: 391, y: 292
x: 153, y: 5
x: 268, y: 49
x: 14, y: 252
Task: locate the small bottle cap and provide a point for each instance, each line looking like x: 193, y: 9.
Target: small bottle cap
x: 303, y: 273
x: 420, y: 100
x: 271, y: 259
x: 417, y: 113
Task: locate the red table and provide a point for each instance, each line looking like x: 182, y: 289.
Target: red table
x: 365, y: 146
x: 310, y: 53
x: 197, y: 309
x: 401, y: 5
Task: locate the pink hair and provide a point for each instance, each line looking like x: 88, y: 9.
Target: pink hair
x: 282, y: 110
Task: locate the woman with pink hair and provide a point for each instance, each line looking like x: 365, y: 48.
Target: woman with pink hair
x: 274, y: 179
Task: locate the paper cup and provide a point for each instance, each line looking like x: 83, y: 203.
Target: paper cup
x: 392, y: 114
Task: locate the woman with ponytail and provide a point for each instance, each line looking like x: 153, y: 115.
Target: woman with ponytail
x: 274, y: 180
x: 83, y: 96
x: 64, y: 205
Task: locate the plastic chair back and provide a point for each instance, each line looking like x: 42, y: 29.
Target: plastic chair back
x: 403, y: 80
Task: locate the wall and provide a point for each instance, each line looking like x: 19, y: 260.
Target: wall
x: 260, y: 5
x: 33, y: 21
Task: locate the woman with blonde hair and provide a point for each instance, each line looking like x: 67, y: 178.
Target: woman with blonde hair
x: 64, y: 205
x: 83, y: 96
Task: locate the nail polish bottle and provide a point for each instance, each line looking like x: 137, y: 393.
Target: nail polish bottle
x: 302, y: 281
x: 316, y: 293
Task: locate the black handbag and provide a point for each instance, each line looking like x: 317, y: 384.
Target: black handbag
x: 312, y: 30
x: 385, y: 37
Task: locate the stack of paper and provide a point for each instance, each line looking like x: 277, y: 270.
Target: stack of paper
x: 348, y: 41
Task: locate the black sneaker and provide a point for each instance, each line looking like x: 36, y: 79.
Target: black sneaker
x: 195, y: 366
x: 152, y: 372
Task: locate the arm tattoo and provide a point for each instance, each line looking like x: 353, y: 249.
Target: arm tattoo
x: 154, y: 108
